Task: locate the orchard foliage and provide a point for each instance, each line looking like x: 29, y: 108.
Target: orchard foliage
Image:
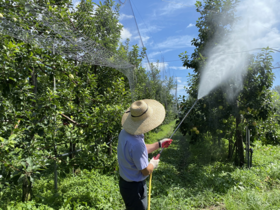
x: 220, y: 114
x: 38, y: 121
x: 50, y: 105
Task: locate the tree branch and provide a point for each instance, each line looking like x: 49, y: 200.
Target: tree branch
x: 3, y: 161
x: 72, y: 121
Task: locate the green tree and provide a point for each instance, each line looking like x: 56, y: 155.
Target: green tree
x: 268, y: 130
x: 277, y: 89
x: 37, y: 121
x: 215, y: 114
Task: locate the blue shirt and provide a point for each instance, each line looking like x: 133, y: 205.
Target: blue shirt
x: 132, y: 156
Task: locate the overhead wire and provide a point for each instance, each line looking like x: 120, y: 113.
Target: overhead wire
x: 139, y: 33
x: 237, y: 52
x: 122, y: 3
x: 140, y: 15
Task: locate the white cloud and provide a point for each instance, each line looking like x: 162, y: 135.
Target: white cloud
x: 150, y: 28
x: 174, y: 5
x: 125, y: 34
x: 178, y: 67
x: 161, y: 65
x: 145, y: 39
x: 124, y: 16
x: 153, y: 54
x: 75, y: 2
x: 175, y: 42
x: 181, y: 89
x: 190, y: 25
x: 145, y: 31
x: 179, y: 79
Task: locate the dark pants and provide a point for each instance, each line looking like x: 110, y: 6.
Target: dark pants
x: 134, y: 194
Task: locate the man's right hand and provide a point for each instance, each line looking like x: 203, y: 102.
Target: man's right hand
x: 154, y: 162
x: 152, y: 165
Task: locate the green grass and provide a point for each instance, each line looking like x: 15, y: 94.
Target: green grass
x: 164, y: 131
x: 87, y: 190
x: 189, y: 177
x: 196, y: 177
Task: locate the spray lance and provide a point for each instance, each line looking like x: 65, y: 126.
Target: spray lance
x: 157, y: 157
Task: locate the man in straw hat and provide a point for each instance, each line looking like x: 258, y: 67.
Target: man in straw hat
x: 134, y: 167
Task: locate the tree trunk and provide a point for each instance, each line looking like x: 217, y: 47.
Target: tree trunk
x: 230, y: 148
x: 239, y: 143
x: 215, y: 140
x: 219, y: 141
x: 95, y: 69
x: 34, y: 81
x: 72, y: 149
x: 26, y: 189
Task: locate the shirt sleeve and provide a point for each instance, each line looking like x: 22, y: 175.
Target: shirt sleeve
x: 140, y: 156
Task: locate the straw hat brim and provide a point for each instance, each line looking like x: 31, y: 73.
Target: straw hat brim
x: 143, y: 126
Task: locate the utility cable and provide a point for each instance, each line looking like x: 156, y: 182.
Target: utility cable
x: 238, y: 52
x: 140, y: 15
x: 122, y: 3
x: 139, y: 33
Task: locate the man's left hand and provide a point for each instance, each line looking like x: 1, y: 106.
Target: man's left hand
x: 164, y: 143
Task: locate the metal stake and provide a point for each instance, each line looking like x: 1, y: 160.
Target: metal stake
x: 55, y: 165
x: 248, y: 147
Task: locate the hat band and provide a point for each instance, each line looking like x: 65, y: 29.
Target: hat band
x: 139, y: 115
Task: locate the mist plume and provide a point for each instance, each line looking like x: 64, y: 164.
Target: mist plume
x: 256, y: 28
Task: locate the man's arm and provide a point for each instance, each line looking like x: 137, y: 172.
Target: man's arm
x: 152, y: 147
x: 147, y: 171
x: 164, y: 144
x: 152, y: 165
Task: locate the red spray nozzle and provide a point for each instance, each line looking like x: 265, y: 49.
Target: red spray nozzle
x: 157, y: 157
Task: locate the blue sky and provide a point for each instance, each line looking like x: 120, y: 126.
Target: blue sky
x: 167, y: 28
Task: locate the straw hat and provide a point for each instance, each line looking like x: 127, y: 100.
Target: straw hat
x: 143, y: 116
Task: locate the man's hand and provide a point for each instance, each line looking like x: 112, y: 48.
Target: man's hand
x: 164, y: 143
x: 154, y: 162
x: 152, y: 165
